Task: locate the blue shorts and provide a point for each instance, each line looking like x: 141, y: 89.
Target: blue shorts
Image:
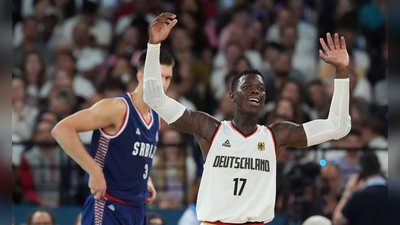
x: 109, y: 212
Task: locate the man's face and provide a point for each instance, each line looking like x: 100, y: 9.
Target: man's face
x: 166, y: 75
x: 249, y: 95
x: 331, y: 179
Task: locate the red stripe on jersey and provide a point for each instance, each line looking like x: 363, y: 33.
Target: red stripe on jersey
x: 241, y: 133
x: 115, y: 199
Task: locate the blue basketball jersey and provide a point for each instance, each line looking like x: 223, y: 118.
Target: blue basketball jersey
x: 126, y: 157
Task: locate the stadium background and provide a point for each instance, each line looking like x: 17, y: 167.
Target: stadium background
x: 68, y: 54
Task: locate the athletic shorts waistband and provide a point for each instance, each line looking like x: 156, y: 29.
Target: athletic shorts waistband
x: 221, y: 223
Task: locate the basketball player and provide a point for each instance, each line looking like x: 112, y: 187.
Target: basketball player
x: 239, y: 178
x: 120, y: 157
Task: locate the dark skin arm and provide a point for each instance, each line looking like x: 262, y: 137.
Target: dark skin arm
x: 199, y: 124
x: 203, y: 126
x: 289, y: 134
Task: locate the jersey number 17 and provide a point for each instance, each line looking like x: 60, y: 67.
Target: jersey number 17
x: 242, y: 182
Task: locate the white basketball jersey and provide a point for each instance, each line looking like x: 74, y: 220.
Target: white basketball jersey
x: 239, y: 179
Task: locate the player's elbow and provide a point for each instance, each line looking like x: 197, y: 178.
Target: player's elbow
x: 58, y: 130
x: 342, y: 127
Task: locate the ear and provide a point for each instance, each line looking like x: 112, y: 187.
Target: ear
x: 232, y: 96
x: 139, y: 76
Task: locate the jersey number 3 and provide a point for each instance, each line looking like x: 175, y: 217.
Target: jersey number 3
x: 146, y: 171
x: 242, y: 184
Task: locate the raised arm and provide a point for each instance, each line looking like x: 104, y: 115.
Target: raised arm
x: 200, y: 124
x: 338, y: 123
x: 107, y: 113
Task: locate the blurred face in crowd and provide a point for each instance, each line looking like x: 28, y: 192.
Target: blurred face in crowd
x: 283, y: 18
x: 30, y: 29
x: 291, y: 90
x: 331, y: 179
x: 232, y: 53
x: 17, y: 90
x: 282, y: 65
x: 180, y: 40
x: 317, y: 95
x: 242, y: 64
x: 131, y: 36
x: 62, y: 78
x: 285, y: 109
x: 353, y: 141
x: 255, y: 30
x: 289, y: 36
x: 122, y: 66
x: 41, y: 7
x: 81, y: 34
x: 33, y: 66
x: 41, y: 218
x: 65, y: 62
x: 342, y: 7
x: 171, y: 140
x: 42, y: 136
x: 155, y: 221
x: 49, y: 116
x: 271, y: 54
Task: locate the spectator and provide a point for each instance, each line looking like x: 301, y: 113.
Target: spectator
x: 142, y: 12
x: 285, y: 110
x: 371, y: 133
x: 44, y: 171
x: 173, y: 170
x: 65, y: 72
x: 348, y: 163
x: 33, y: 72
x: 331, y: 188
x: 100, y: 28
x: 317, y: 220
x: 23, y: 115
x: 189, y: 216
x: 318, y: 96
x: 155, y: 219
x: 292, y: 90
x: 41, y: 217
x: 30, y: 42
x: 281, y: 70
x: 307, y: 33
x: 305, y: 62
x: 365, y: 200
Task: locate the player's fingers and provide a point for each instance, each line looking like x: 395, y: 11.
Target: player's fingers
x: 343, y: 42
x: 322, y: 55
x: 173, y: 23
x: 97, y: 196
x: 336, y: 39
x: 329, y: 40
x: 323, y: 45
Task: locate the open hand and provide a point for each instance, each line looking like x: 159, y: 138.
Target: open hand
x: 336, y: 53
x: 161, y: 27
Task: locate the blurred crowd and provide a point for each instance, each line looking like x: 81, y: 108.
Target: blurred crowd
x: 68, y: 54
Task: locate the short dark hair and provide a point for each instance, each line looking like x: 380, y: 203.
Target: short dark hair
x: 165, y: 59
x: 244, y: 72
x: 30, y: 217
x: 369, y: 164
